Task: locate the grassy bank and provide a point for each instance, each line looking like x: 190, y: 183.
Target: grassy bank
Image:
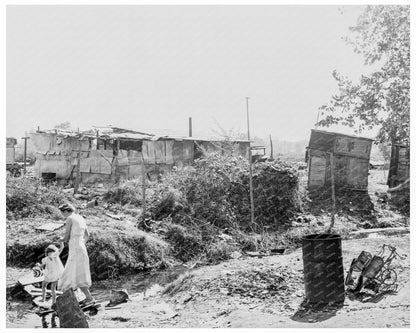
x: 198, y: 214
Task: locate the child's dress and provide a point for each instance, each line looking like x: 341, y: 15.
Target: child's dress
x: 53, y: 267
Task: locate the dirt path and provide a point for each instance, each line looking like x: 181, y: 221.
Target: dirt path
x: 200, y: 299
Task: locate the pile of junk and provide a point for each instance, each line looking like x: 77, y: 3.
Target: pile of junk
x: 373, y: 274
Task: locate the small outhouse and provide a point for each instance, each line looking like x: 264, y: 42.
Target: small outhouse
x: 346, y: 156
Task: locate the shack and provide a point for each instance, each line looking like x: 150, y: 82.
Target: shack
x: 399, y: 171
x: 350, y: 156
x: 10, y: 150
x: 109, y: 154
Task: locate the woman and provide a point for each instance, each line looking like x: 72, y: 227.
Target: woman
x: 77, y: 268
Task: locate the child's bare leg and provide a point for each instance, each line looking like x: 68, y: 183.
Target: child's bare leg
x: 44, y: 284
x: 53, y: 290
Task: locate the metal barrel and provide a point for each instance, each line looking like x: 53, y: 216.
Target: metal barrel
x: 323, y: 268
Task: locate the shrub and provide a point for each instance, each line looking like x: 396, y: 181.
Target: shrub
x: 186, y: 244
x: 28, y: 197
x: 215, y: 190
x: 128, y: 192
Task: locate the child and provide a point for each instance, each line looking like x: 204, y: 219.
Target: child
x: 53, y: 269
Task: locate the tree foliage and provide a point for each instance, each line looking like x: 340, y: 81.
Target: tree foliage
x: 381, y: 99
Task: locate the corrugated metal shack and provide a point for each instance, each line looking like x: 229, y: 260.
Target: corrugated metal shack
x: 399, y: 170
x: 350, y: 155
x: 10, y: 150
x: 109, y: 154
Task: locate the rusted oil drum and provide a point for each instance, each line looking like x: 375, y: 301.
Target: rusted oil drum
x: 323, y: 268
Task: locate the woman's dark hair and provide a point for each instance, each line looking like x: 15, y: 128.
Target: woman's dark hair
x: 67, y: 207
x: 49, y: 250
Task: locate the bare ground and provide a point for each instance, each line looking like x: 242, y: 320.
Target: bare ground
x: 201, y: 302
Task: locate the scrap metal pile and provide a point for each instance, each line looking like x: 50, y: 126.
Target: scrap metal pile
x: 373, y: 273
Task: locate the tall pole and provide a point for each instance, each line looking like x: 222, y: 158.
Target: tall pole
x: 25, y: 154
x: 250, y: 166
x: 190, y: 126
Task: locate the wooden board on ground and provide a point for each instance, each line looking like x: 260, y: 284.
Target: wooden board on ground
x: 33, y: 291
x: 95, y: 306
x: 50, y: 226
x: 30, y: 279
x: 38, y: 302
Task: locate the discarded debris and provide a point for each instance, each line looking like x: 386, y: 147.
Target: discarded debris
x: 115, y: 217
x: 50, y: 226
x: 118, y: 297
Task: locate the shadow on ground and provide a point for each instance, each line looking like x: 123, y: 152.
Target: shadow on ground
x: 312, y: 313
x: 367, y: 297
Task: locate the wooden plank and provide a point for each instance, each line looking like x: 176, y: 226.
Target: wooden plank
x: 50, y: 226
x: 160, y: 152
x: 178, y: 151
x: 322, y: 140
x: 188, y: 150
x: 151, y: 152
x: 357, y: 174
x: 317, y: 174
x: 38, y: 302
x: 30, y: 279
x: 144, y: 153
x: 33, y: 291
x: 169, y: 151
x: 353, y: 146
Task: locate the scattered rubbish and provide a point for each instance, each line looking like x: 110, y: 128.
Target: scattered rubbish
x: 115, y: 217
x: 120, y: 319
x: 262, y: 284
x: 92, y: 203
x: 225, y: 237
x: 34, y: 292
x: 187, y: 299
x: 277, y: 251
x: 118, y: 297
x: 235, y: 255
x: 265, y: 253
x: 30, y: 279
x: 374, y: 272
x: 50, y: 226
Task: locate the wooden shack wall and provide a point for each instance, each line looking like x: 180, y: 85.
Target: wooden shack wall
x: 351, y: 160
x: 350, y: 172
x: 59, y: 155
x: 399, y: 170
x: 10, y: 155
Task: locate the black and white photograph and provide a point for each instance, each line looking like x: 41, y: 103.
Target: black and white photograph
x: 207, y: 165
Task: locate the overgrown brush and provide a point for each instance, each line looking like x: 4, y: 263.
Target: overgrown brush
x: 126, y: 251
x: 128, y: 192
x: 212, y: 195
x: 215, y: 190
x: 28, y: 197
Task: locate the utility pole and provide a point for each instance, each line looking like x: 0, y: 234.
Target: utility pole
x: 250, y: 166
x: 190, y: 126
x: 25, y: 154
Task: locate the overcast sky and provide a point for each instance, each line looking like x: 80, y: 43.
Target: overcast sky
x: 152, y: 67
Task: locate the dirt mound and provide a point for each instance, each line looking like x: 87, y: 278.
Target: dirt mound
x: 115, y: 247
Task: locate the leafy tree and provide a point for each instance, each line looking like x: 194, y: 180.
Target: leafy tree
x: 381, y: 99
